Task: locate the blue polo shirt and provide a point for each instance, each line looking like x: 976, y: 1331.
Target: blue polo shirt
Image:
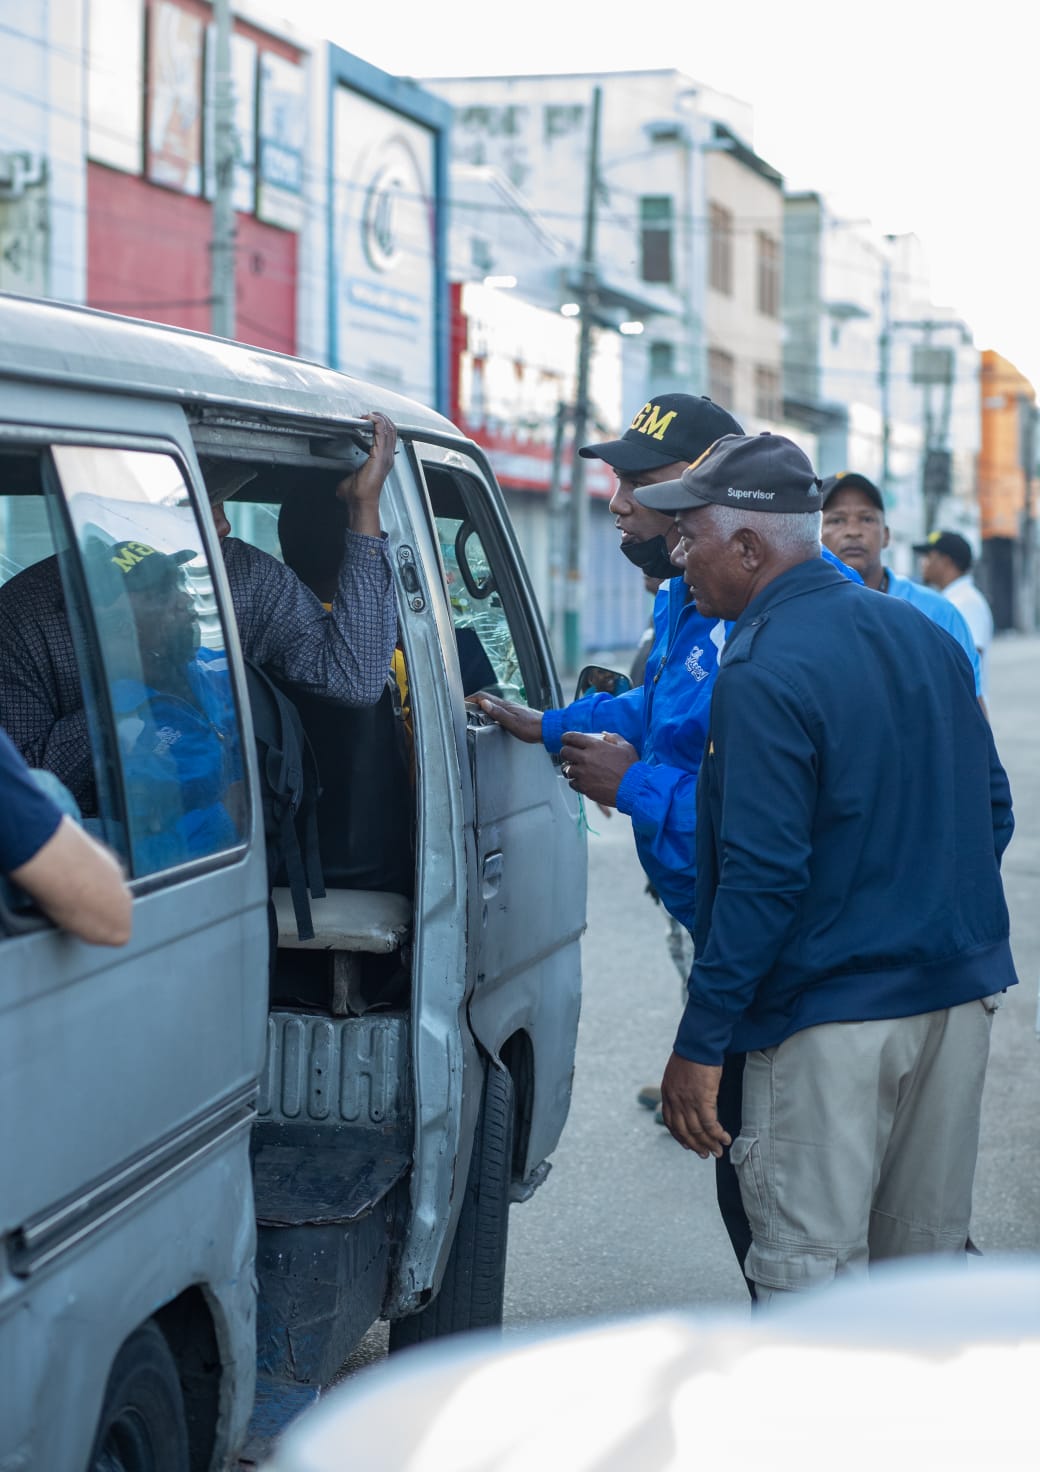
x: 942, y: 612
x: 28, y: 818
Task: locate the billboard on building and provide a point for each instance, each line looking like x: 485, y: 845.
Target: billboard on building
x: 174, y: 98
x: 386, y: 258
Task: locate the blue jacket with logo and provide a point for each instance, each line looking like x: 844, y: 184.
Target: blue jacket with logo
x: 852, y: 813
x: 666, y: 720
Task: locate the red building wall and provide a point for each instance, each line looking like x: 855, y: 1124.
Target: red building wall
x: 148, y: 256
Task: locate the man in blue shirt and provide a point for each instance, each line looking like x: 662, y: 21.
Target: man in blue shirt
x: 849, y: 934
x: 173, y: 707
x: 855, y: 530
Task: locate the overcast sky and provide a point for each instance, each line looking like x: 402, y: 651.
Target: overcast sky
x: 917, y: 114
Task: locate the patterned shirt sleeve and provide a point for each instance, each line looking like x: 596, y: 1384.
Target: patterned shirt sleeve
x: 344, y: 654
x: 41, y: 703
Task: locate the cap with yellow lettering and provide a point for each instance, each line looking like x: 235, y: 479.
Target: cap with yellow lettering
x: 667, y: 429
x: 117, y: 568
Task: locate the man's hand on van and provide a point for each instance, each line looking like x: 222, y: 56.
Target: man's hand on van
x: 519, y: 720
x: 595, y: 764
x: 362, y: 490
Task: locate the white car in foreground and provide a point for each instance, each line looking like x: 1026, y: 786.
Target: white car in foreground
x: 925, y: 1365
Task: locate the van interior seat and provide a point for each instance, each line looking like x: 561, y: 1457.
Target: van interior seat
x: 369, y: 920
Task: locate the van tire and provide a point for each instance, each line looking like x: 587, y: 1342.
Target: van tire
x: 142, y: 1427
x: 472, y: 1289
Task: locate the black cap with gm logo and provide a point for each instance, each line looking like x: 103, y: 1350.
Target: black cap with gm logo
x: 670, y: 428
x: 755, y: 472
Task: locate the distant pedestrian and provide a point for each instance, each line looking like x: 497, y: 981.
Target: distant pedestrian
x: 851, y: 928
x: 854, y: 529
x: 946, y: 564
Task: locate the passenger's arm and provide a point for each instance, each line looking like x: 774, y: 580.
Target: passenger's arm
x: 362, y: 490
x: 343, y: 656
x: 79, y: 885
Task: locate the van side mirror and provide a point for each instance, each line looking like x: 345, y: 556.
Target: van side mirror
x: 596, y: 679
x: 472, y: 561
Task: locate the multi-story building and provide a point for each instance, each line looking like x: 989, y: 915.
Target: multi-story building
x: 1007, y: 493
x: 108, y: 175
x: 689, y: 219
x: 885, y: 380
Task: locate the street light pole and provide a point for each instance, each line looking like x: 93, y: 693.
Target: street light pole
x: 573, y: 632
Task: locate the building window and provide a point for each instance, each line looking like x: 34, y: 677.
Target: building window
x: 662, y: 360
x: 767, y: 393
x: 720, y: 264
x: 768, y: 275
x: 655, y: 237
x: 720, y: 377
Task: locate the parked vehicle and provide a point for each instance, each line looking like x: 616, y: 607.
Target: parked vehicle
x: 862, y: 1375
x: 216, y: 1178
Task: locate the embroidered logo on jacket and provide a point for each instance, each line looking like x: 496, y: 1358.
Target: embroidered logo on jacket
x: 693, y: 664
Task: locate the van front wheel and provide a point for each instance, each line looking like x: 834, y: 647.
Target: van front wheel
x: 142, y: 1426
x: 474, y: 1278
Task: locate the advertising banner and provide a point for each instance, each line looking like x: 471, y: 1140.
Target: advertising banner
x: 282, y: 130
x: 174, y: 98
x: 384, y: 248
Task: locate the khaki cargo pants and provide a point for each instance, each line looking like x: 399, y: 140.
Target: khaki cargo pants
x: 858, y: 1143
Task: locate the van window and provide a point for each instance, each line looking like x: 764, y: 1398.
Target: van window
x: 113, y: 673
x: 487, y: 605
x: 162, y: 652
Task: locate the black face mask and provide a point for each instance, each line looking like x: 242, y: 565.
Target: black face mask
x: 652, y: 558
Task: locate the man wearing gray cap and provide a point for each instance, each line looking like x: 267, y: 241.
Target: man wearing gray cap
x: 848, y: 939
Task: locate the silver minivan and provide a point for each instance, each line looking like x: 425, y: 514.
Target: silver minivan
x: 224, y: 1159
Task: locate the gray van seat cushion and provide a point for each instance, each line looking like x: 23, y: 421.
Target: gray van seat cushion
x: 348, y: 920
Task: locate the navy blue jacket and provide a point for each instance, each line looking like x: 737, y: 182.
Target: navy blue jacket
x: 851, y: 815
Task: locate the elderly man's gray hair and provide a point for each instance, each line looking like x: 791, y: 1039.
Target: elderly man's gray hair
x: 787, y: 532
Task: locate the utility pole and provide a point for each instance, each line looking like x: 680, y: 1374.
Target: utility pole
x: 222, y: 243
x: 885, y: 375
x: 573, y: 634
x: 557, y: 529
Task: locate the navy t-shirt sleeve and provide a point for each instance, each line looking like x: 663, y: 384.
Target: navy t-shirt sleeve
x: 28, y: 818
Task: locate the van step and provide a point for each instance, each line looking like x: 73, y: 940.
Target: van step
x: 311, y: 1184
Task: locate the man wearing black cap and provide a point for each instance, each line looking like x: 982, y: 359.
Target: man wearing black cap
x: 848, y: 939
x: 946, y: 565
x: 650, y: 773
x: 854, y: 529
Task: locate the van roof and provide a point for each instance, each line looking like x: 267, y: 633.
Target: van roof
x: 84, y: 348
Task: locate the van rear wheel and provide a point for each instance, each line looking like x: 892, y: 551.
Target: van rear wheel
x: 142, y: 1426
x: 474, y: 1279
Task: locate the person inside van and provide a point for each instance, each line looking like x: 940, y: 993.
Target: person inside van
x: 74, y: 880
x: 341, y: 654
x: 173, y: 707
x: 364, y: 757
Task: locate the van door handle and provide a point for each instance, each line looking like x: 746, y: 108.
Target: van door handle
x: 491, y: 874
